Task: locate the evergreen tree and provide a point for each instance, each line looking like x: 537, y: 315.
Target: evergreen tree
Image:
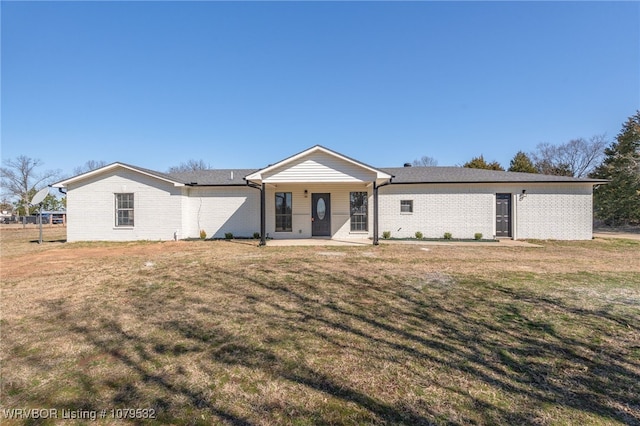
x: 556, y: 169
x: 619, y: 201
x: 522, y: 163
x: 480, y: 163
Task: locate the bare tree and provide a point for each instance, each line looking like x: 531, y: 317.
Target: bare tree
x: 20, y: 180
x: 189, y: 166
x: 577, y: 158
x: 425, y: 161
x: 89, y: 166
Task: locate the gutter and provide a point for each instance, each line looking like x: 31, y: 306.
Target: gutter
x: 60, y: 189
x: 592, y: 182
x: 212, y: 185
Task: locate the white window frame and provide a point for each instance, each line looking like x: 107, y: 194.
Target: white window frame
x: 130, y: 223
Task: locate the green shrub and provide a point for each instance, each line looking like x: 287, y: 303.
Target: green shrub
x: 203, y: 234
x: 477, y: 236
x: 447, y: 235
x: 419, y: 235
x: 386, y: 235
x: 228, y: 235
x: 256, y: 235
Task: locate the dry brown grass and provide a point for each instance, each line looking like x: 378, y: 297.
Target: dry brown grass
x: 226, y: 332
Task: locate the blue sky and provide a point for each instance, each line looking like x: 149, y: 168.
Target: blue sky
x: 245, y: 84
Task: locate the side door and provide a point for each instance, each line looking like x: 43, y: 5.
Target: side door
x: 503, y: 215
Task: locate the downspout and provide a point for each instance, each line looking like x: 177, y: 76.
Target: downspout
x: 263, y: 221
x: 514, y: 222
x: 376, y: 238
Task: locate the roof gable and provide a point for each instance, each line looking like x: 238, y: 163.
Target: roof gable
x: 114, y: 166
x: 318, y: 164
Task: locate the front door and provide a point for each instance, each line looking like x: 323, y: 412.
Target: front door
x: 321, y: 215
x: 503, y: 215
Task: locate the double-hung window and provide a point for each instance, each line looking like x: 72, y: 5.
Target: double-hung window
x: 359, y: 217
x: 284, y: 209
x: 124, y: 209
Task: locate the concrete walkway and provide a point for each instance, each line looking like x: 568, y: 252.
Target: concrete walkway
x: 367, y: 242
x: 319, y: 242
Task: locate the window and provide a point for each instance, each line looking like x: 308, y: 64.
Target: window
x: 124, y: 209
x: 283, y: 212
x: 406, y: 206
x: 359, y: 220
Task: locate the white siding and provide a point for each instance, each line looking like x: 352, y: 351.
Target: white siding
x: 219, y: 210
x: 91, y: 208
x: 547, y: 211
x: 458, y: 209
x: 186, y: 229
x: 319, y: 167
x: 555, y: 211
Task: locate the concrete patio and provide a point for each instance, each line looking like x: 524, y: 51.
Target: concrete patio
x: 367, y: 242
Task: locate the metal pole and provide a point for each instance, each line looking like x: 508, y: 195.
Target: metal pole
x: 40, y: 240
x: 263, y: 221
x: 375, y: 215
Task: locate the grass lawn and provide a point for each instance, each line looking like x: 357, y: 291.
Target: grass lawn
x: 225, y: 332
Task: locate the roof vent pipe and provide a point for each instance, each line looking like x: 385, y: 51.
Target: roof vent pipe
x: 407, y: 164
x: 231, y: 178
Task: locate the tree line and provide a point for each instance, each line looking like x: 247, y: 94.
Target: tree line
x: 576, y: 158
x: 617, y: 202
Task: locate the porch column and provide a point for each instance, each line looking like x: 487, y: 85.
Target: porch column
x: 375, y: 215
x: 263, y: 219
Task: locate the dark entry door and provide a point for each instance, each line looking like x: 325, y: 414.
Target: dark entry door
x: 321, y: 215
x: 503, y: 215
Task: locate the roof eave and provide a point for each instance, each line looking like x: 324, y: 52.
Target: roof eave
x: 590, y: 181
x: 66, y: 182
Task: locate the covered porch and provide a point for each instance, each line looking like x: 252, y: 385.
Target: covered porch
x: 318, y: 194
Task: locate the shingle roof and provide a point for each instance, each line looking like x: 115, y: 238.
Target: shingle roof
x: 400, y: 175
x: 466, y: 175
x: 148, y: 171
x: 213, y: 177
x: 408, y: 175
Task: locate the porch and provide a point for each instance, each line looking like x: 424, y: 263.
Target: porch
x: 318, y: 193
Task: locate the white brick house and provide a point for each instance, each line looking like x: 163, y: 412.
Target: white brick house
x: 321, y: 193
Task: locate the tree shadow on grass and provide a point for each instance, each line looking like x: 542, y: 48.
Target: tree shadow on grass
x: 291, y: 328
x: 520, y: 355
